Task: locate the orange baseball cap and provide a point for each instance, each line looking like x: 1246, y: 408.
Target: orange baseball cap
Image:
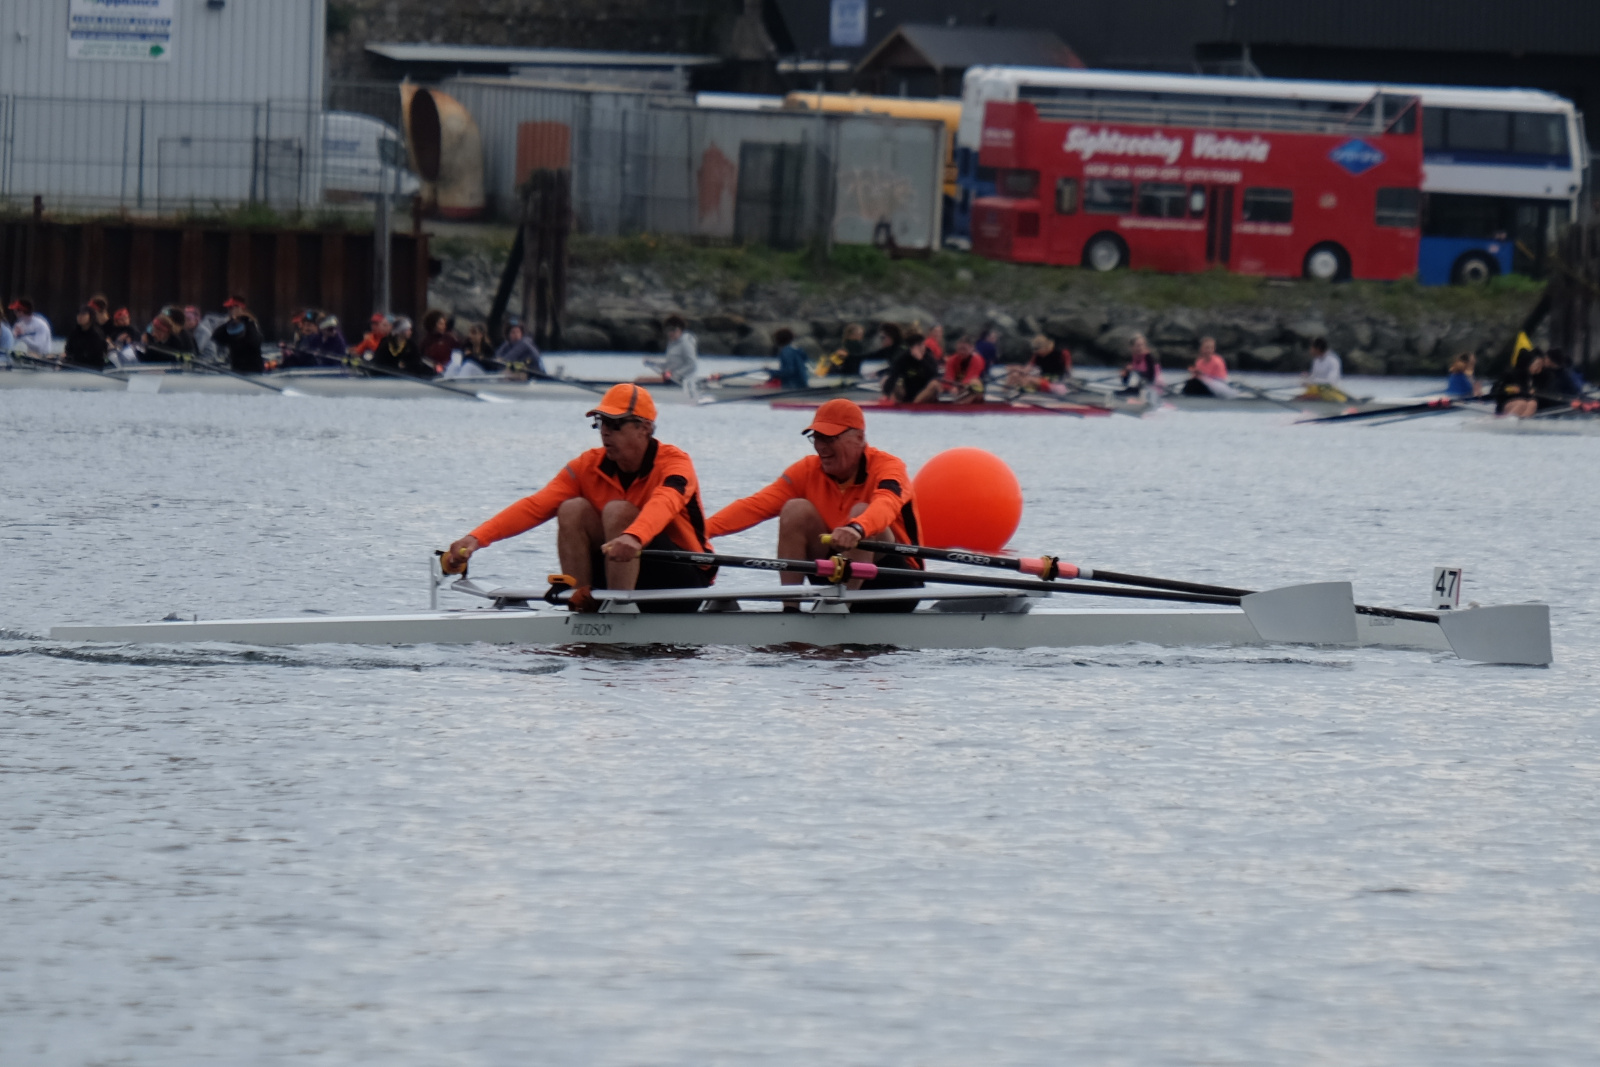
x: 836, y: 416
x: 626, y: 399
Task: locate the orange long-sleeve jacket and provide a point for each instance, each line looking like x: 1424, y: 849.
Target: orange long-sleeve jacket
x: 664, y: 489
x: 881, y: 483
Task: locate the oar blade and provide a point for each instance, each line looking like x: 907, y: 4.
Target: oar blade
x: 1321, y: 613
x: 1505, y: 633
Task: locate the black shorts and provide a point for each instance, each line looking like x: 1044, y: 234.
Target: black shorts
x: 887, y: 607
x: 662, y: 574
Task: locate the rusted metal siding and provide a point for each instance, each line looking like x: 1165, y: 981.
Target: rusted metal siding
x: 147, y: 267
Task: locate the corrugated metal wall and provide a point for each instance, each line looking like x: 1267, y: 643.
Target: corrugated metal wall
x: 246, y: 51
x: 231, y: 116
x: 644, y: 162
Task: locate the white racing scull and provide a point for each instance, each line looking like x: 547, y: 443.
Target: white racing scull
x: 1321, y: 614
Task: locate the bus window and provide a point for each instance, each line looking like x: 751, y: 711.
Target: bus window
x: 1539, y: 135
x: 1066, y: 196
x: 1108, y: 196
x: 1197, y: 201
x: 1477, y: 217
x: 1433, y: 129
x: 1268, y: 205
x: 1020, y: 184
x: 1161, y: 200
x: 1398, y: 207
x: 1478, y: 131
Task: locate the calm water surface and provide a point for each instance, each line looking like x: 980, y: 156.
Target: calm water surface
x: 491, y: 855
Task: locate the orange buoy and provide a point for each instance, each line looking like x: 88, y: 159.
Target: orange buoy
x: 967, y: 498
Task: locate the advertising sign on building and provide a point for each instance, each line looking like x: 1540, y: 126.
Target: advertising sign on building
x: 847, y: 23
x: 139, y: 30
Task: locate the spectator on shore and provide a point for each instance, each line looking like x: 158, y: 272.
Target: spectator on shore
x: 845, y: 361
x: 1049, y: 366
x: 29, y: 329
x: 86, y: 345
x: 1462, y: 380
x: 518, y: 353
x: 791, y: 372
x: 1322, y: 380
x: 240, y: 338
x: 1143, y: 369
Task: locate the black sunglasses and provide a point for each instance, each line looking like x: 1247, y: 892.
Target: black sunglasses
x: 612, y: 423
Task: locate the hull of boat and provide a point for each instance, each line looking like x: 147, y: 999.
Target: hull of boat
x: 1196, y: 627
x: 1034, y: 407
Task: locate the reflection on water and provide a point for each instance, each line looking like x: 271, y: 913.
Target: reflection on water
x: 435, y: 854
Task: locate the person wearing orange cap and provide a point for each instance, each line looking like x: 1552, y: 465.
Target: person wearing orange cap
x: 848, y: 489
x: 631, y: 493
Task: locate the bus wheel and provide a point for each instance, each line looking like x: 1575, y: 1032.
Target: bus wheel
x: 1105, y: 252
x: 1473, y: 268
x: 1327, y: 262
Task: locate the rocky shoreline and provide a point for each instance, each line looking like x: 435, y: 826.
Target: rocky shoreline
x: 618, y: 305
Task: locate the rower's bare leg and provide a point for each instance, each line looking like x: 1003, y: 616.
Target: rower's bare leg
x: 617, y: 517
x: 578, y: 535
x: 929, y: 394
x: 800, y: 530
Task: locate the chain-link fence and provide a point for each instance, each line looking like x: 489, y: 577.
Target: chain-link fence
x: 169, y: 158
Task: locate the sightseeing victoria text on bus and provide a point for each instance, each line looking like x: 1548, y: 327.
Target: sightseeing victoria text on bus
x: 1502, y: 169
x: 1327, y: 191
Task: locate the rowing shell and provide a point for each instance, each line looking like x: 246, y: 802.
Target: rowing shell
x: 987, y: 407
x: 1321, y: 614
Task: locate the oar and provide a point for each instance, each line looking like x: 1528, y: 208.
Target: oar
x: 486, y: 398
x: 789, y: 394
x: 1262, y: 394
x: 1047, y: 567
x: 1321, y: 613
x: 190, y: 357
x: 56, y: 364
x: 839, y: 569
x: 1050, y: 568
x: 1440, y: 403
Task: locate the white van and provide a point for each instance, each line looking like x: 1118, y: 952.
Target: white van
x: 351, y: 165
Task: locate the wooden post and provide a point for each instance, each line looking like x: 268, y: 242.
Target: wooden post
x: 333, y: 276
x: 142, y: 274
x: 286, y: 277
x: 192, y: 266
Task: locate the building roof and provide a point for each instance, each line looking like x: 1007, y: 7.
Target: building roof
x: 960, y: 47
x: 494, y: 55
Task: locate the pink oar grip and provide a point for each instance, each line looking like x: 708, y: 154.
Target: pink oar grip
x: 857, y: 570
x: 1040, y: 566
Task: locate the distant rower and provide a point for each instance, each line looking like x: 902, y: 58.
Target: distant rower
x: 631, y: 493
x: 848, y: 489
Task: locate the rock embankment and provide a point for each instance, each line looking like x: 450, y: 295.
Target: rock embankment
x: 618, y: 306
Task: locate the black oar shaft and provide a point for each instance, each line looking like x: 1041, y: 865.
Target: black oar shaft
x: 214, y: 367
x: 980, y: 559
x: 798, y: 566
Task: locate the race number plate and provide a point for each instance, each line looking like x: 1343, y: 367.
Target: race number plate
x: 1446, y: 588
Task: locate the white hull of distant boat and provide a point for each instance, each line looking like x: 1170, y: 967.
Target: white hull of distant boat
x: 1323, y: 614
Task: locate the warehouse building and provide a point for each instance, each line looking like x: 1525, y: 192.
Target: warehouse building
x: 182, y: 103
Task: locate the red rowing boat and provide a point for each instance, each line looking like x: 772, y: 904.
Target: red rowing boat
x: 937, y: 407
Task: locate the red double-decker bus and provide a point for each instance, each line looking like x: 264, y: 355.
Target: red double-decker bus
x: 1330, y: 193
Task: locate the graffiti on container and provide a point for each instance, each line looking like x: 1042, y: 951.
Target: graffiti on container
x: 874, y: 193
x: 717, y: 181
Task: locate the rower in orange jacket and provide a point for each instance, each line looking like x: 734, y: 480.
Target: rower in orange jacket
x: 631, y: 493
x: 849, y: 490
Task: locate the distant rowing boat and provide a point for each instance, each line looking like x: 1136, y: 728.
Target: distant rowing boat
x: 1040, y: 405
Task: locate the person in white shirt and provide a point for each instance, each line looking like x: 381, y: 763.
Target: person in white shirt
x: 680, y: 363
x: 32, y: 330
x: 1322, y: 381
